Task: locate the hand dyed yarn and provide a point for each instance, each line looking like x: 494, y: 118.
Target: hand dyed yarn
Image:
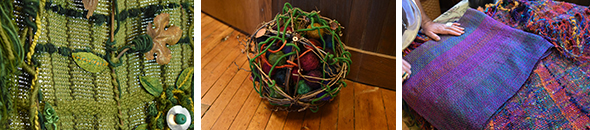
x: 77, y: 64
x: 563, y: 24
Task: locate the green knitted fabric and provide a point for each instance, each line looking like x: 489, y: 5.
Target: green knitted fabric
x: 110, y: 99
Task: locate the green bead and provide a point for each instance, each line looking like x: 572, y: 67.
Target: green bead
x: 180, y: 119
x: 302, y: 88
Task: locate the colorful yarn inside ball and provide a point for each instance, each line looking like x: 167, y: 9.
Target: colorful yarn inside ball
x: 275, y: 94
x: 311, y: 83
x: 326, y: 98
x: 309, y: 61
x: 287, y: 49
x: 328, y: 42
x: 295, y: 75
x: 314, y: 33
x: 279, y: 77
x: 266, y: 69
x: 302, y: 88
x: 330, y: 70
x: 315, y: 42
x: 276, y: 57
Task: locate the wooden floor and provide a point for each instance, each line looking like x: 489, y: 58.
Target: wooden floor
x: 230, y: 102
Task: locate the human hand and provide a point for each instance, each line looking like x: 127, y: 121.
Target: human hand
x: 431, y: 29
x: 406, y: 69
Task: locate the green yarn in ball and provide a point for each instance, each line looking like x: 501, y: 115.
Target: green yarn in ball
x: 275, y: 94
x: 302, y: 88
x: 274, y: 57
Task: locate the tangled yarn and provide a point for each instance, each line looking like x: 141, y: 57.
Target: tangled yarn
x: 51, y: 117
x: 563, y: 24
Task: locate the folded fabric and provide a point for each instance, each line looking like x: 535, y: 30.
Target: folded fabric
x: 460, y: 81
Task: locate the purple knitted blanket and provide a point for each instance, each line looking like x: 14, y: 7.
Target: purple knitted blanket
x: 460, y: 81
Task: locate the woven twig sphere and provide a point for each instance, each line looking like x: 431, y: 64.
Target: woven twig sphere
x: 298, y: 61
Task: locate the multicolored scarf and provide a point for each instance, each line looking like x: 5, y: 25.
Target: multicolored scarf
x: 565, y: 25
x: 556, y: 96
x: 557, y: 93
x: 459, y: 82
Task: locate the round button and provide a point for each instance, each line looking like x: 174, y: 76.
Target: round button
x: 180, y: 119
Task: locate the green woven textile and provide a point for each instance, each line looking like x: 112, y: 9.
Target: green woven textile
x: 113, y: 98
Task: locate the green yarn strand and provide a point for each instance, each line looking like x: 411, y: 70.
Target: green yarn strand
x: 11, y: 57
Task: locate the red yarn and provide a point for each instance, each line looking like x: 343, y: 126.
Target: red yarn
x: 313, y: 85
x: 266, y: 69
x: 315, y: 42
x: 295, y: 74
x: 309, y: 61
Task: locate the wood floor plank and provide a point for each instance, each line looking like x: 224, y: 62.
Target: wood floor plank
x: 205, y: 20
x: 210, y: 38
x: 210, y: 77
x: 220, y: 49
x: 346, y: 107
x: 277, y: 120
x: 231, y: 111
x: 216, y: 41
x: 226, y: 81
x: 311, y: 121
x: 204, y: 108
x: 368, y: 108
x: 329, y: 114
x: 227, y: 52
x: 294, y: 121
x: 217, y: 108
x: 247, y: 111
x: 219, y: 78
x: 209, y: 30
x: 261, y: 117
x: 389, y: 104
x: 208, y: 25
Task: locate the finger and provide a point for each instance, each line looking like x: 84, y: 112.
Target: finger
x: 406, y: 63
x: 449, y: 31
x: 432, y: 35
x: 454, y: 29
x: 406, y: 67
x: 460, y: 28
x: 453, y: 32
x: 457, y: 25
x: 406, y: 70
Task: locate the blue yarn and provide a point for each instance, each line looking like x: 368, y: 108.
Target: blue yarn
x: 328, y: 41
